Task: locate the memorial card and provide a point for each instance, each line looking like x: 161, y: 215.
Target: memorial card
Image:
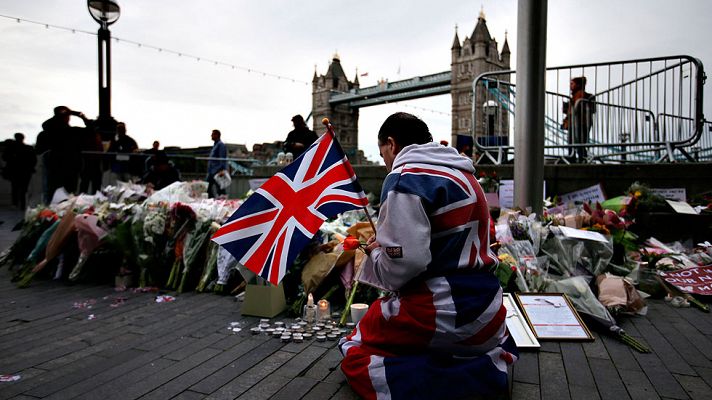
x: 553, y: 317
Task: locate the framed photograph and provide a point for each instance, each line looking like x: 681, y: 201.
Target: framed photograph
x: 552, y: 316
x: 517, y: 325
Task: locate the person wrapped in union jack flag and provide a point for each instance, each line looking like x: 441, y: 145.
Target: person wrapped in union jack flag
x: 442, y: 333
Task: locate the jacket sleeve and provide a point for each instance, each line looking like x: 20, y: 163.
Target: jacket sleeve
x: 404, y: 235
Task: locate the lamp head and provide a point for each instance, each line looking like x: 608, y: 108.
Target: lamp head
x: 104, y: 11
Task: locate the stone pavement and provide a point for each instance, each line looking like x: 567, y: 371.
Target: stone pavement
x: 137, y: 348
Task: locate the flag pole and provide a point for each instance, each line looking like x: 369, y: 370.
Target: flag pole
x: 347, y: 307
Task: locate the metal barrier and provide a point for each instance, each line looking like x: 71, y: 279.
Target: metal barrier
x: 646, y: 110
x: 185, y: 163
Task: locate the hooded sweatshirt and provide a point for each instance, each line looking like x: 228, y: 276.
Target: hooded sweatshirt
x: 434, y: 219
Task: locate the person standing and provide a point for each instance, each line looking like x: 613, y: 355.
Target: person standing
x: 442, y: 333
x: 59, y: 145
x: 216, y: 164
x: 124, y: 146
x: 300, y: 138
x: 20, y: 161
x: 152, y: 154
x: 579, y: 117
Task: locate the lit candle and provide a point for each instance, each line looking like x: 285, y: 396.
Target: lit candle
x: 324, y: 309
x: 310, y: 310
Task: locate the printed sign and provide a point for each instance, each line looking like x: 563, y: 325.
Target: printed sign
x: 590, y: 194
x: 696, y: 280
x: 506, y: 193
x: 678, y: 194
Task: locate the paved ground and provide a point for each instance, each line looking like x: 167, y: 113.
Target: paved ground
x: 183, y: 350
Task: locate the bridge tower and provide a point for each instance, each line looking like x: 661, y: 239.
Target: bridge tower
x: 343, y: 118
x: 477, y: 54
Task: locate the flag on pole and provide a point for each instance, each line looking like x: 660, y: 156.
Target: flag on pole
x: 272, y: 226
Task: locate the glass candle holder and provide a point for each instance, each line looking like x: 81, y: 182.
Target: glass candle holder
x: 323, y: 309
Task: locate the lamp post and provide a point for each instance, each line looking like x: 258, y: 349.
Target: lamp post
x: 105, y: 12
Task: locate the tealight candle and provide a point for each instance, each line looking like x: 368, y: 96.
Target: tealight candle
x: 324, y: 309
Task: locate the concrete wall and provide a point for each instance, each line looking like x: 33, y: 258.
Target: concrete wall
x: 695, y: 178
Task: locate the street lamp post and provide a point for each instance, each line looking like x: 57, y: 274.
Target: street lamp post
x: 105, y: 12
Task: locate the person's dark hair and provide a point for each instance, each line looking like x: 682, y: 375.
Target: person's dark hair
x: 298, y: 120
x: 405, y: 129
x: 581, y: 81
x: 217, y: 132
x: 19, y: 137
x: 61, y: 110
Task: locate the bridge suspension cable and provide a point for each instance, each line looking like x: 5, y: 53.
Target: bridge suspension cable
x: 165, y: 50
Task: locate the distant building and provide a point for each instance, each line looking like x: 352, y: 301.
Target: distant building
x: 477, y: 54
x: 342, y: 116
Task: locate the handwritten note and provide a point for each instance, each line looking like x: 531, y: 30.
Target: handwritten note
x: 681, y: 207
x: 591, y: 194
x: 581, y: 234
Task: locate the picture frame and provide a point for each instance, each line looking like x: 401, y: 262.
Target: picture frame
x: 518, y: 327
x: 552, y: 316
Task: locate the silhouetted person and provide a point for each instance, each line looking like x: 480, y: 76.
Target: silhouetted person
x: 152, y: 153
x: 300, y: 138
x: 162, y: 172
x: 579, y: 116
x: 124, y: 145
x: 91, y: 171
x: 20, y: 161
x: 216, y: 164
x: 59, y: 145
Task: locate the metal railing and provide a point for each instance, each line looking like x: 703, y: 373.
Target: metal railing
x: 646, y: 110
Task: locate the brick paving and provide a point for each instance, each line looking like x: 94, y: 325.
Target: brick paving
x: 183, y: 350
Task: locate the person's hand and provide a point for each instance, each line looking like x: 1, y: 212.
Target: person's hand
x: 371, y: 244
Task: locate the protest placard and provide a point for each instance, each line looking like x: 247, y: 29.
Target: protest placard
x: 697, y: 280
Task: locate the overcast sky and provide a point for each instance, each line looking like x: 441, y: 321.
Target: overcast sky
x: 178, y: 100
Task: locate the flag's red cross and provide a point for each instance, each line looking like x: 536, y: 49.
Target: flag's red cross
x: 469, y: 215
x: 297, y: 202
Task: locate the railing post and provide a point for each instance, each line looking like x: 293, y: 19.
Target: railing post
x: 529, y: 119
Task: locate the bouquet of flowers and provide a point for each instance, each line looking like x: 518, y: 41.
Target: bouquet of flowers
x: 89, y: 235
x: 586, y: 303
x: 149, y: 227
x: 182, y: 220
x: 211, y: 261
x: 195, y: 244
x: 489, y: 182
x: 36, y: 222
x: 24, y: 275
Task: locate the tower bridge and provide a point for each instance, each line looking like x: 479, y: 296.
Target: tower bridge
x: 338, y: 98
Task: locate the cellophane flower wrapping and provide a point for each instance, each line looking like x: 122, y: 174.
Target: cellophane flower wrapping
x: 575, y: 257
x: 194, y: 249
x: 89, y: 235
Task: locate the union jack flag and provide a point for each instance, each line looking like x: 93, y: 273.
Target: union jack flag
x: 271, y: 227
